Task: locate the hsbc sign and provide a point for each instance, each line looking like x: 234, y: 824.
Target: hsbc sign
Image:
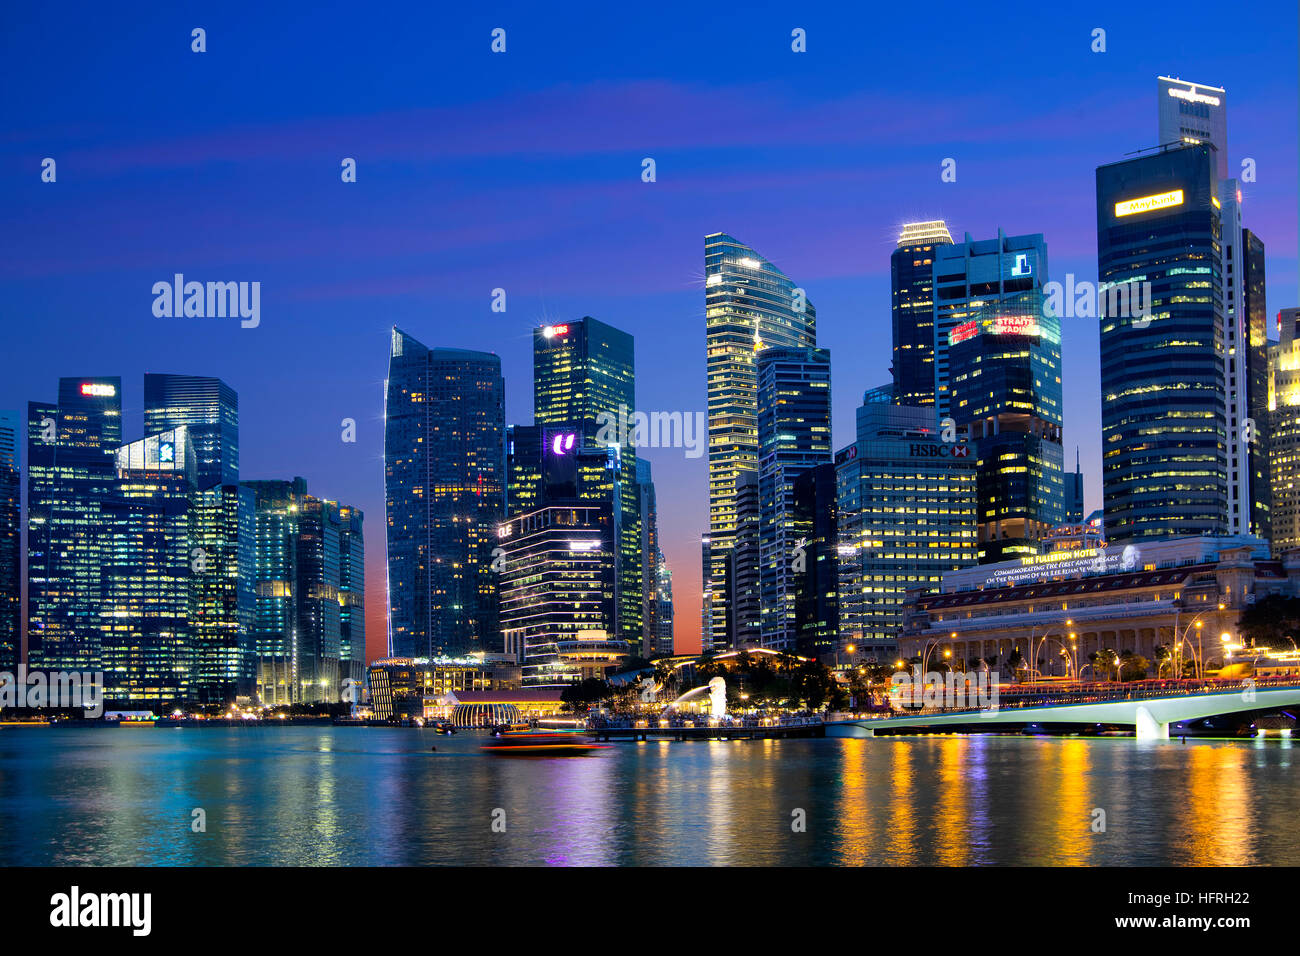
x: 937, y: 450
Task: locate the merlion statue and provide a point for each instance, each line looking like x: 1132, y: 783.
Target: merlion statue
x: 717, y: 697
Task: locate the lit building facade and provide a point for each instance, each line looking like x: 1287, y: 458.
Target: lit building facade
x: 794, y: 436
x: 558, y: 606
x: 911, y: 269
x: 147, y: 648
x: 1163, y: 383
x: 584, y: 385
x: 10, y: 543
x: 1174, y: 603
x: 445, y: 487
x: 749, y: 305
x: 1005, y: 392
x: 906, y: 514
x: 209, y: 408
x: 1283, y: 426
x: 306, y: 549
x: 71, y: 478
x: 222, y: 527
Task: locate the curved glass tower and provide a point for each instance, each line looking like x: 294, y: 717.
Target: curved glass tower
x: 749, y: 305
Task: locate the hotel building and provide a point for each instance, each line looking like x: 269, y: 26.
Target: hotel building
x: 1174, y: 603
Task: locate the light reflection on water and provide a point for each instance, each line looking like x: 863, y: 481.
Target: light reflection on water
x: 333, y: 796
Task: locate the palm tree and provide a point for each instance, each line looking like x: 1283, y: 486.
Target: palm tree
x: 1164, y: 659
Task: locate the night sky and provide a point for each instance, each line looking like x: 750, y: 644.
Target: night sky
x: 522, y: 171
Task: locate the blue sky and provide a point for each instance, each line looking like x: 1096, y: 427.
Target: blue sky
x: 522, y: 171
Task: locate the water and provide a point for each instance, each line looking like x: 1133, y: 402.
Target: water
x: 335, y: 796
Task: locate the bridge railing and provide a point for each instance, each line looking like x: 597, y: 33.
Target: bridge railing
x: 1014, y: 696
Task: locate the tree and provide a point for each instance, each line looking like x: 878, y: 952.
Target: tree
x: 1271, y: 621
x: 1016, y: 662
x: 1105, y: 661
x: 1164, y: 660
x: 1132, y: 666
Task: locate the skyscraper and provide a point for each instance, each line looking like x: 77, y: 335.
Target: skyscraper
x: 749, y: 305
x: 210, y: 409
x: 1193, y: 113
x: 352, y: 599
x: 1255, y: 342
x: 147, y: 649
x: 1005, y: 392
x: 911, y: 270
x: 1284, y: 431
x: 222, y: 599
x: 580, y: 370
x: 906, y: 511
x: 445, y: 477
x: 968, y: 276
x: 222, y: 608
x: 10, y: 544
x: 1164, y: 412
x: 794, y: 436
x: 584, y: 376
x: 71, y: 478
x: 309, y: 598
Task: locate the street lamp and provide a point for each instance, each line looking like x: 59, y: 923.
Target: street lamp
x: 1035, y: 648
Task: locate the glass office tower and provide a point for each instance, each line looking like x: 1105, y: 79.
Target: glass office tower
x: 911, y: 269
x: 71, y: 477
x: 352, y: 598
x: 906, y: 511
x: 222, y: 600
x: 1254, y: 327
x: 309, y: 598
x: 749, y: 305
x: 147, y: 649
x: 1284, y: 432
x: 10, y: 544
x: 1164, y: 414
x: 445, y: 485
x: 1005, y: 391
x: 224, y: 660
x: 794, y: 436
x: 584, y: 376
x: 580, y: 370
x: 210, y: 409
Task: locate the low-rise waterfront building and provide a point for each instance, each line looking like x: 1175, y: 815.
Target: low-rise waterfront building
x: 1171, y: 601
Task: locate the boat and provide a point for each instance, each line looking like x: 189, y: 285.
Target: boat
x: 541, y: 743
x: 444, y: 727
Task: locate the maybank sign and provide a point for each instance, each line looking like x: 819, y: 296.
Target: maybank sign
x: 1131, y: 207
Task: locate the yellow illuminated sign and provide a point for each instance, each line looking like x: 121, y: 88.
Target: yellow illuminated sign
x: 1131, y: 207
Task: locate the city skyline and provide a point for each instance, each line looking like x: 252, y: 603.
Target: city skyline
x: 320, y: 304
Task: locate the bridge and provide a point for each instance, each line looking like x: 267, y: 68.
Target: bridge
x: 1149, y: 707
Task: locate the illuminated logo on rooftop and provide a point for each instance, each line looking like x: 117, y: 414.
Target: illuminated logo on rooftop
x: 97, y: 389
x: 1193, y: 97
x: 563, y: 443
x: 551, y: 331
